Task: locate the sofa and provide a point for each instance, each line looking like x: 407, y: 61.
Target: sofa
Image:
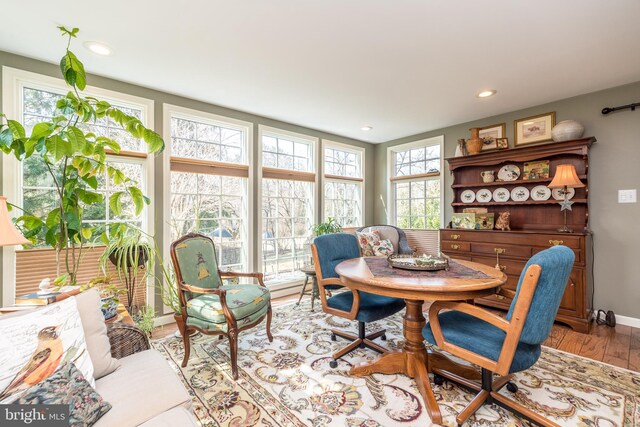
x: 135, y: 379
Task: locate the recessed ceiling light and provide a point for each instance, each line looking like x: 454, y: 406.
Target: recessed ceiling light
x: 366, y: 128
x: 98, y: 48
x: 487, y: 93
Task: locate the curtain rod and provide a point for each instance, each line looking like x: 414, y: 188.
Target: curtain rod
x: 631, y: 107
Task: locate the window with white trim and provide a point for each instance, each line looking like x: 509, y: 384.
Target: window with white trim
x: 288, y: 177
x: 415, y: 184
x: 209, y: 183
x: 37, y: 190
x: 343, y: 184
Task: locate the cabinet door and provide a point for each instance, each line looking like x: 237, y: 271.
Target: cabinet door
x: 571, y: 300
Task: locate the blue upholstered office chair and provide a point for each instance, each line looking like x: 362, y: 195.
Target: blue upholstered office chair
x: 328, y: 251
x: 499, y: 345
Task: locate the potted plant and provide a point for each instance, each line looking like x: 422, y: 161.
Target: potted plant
x: 131, y: 255
x: 145, y: 319
x: 74, y: 159
x: 109, y: 295
x: 329, y: 227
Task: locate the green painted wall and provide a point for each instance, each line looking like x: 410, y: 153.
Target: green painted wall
x: 160, y: 98
x: 614, y: 164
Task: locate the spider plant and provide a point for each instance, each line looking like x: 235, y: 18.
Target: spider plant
x: 131, y: 254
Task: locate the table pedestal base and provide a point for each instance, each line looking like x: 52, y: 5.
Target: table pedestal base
x: 415, y: 361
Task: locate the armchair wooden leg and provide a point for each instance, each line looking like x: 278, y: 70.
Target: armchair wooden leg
x: 233, y: 349
x: 269, y: 324
x: 187, y: 346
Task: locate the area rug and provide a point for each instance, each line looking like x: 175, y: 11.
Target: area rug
x: 289, y: 382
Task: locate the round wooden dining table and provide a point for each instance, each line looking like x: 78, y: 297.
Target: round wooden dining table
x: 464, y: 280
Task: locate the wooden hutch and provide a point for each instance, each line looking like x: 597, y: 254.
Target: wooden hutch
x: 533, y: 224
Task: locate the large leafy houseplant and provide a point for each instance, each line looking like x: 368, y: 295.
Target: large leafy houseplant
x: 329, y: 227
x: 74, y: 158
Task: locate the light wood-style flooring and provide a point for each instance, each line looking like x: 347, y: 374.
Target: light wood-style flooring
x: 619, y: 346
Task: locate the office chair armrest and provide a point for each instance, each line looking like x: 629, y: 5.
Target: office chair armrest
x: 471, y: 310
x: 258, y: 276
x: 355, y: 306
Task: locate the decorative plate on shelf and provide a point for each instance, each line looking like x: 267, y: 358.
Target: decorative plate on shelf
x: 520, y: 194
x: 468, y: 196
x: 540, y: 193
x: 509, y: 173
x: 422, y: 263
x: 558, y: 193
x: 484, y: 195
x: 501, y: 195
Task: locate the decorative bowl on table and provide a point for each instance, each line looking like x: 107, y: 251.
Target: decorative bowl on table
x: 421, y: 263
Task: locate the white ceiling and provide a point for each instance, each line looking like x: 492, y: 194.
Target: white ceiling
x: 403, y: 67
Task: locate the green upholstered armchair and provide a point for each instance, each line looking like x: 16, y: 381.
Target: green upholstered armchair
x: 207, y: 304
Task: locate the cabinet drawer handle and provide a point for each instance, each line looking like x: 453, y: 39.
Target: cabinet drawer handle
x: 455, y: 247
x: 500, y: 296
x: 501, y: 267
x: 499, y: 250
x: 556, y: 242
x: 455, y: 236
x: 572, y: 284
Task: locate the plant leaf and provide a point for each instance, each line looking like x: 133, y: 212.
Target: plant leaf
x: 138, y: 199
x: 153, y: 140
x: 16, y: 128
x: 58, y: 147
x: 115, y: 202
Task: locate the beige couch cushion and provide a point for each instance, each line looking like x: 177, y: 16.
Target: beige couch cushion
x: 143, y: 387
x: 386, y: 233
x: 176, y: 417
x: 95, y: 333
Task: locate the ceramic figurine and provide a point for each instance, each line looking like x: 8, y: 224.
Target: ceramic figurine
x: 461, y: 149
x: 502, y: 222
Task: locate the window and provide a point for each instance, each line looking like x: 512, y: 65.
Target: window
x: 343, y: 184
x: 288, y: 179
x: 36, y: 187
x: 416, y: 184
x: 31, y: 98
x: 209, y: 183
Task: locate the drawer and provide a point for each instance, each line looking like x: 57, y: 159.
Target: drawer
x: 509, y: 267
x: 504, y: 250
x: 548, y: 240
x: 454, y: 246
x: 453, y: 235
x: 576, y: 252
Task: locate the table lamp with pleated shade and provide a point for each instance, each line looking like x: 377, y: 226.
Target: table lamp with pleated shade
x: 565, y: 178
x: 9, y: 235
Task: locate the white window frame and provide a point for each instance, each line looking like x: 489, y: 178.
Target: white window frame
x: 13, y: 82
x: 391, y: 157
x: 315, y: 155
x: 352, y: 149
x: 169, y: 111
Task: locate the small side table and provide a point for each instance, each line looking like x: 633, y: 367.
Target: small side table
x: 309, y: 272
x: 123, y: 316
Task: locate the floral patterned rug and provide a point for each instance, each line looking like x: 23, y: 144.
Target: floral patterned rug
x: 289, y: 382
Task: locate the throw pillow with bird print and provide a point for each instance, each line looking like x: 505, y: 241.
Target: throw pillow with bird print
x: 33, y: 346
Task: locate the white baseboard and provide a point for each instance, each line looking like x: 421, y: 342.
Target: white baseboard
x: 628, y: 321
x: 622, y: 320
x: 163, y: 320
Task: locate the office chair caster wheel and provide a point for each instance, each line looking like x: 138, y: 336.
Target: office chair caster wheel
x: 512, y: 387
x: 438, y: 379
x: 333, y: 364
x: 383, y: 337
x: 333, y: 337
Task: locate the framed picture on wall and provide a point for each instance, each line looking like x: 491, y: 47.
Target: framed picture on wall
x: 502, y: 143
x: 490, y: 134
x: 534, y: 129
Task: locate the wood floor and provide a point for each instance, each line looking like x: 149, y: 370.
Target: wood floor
x: 619, y: 346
